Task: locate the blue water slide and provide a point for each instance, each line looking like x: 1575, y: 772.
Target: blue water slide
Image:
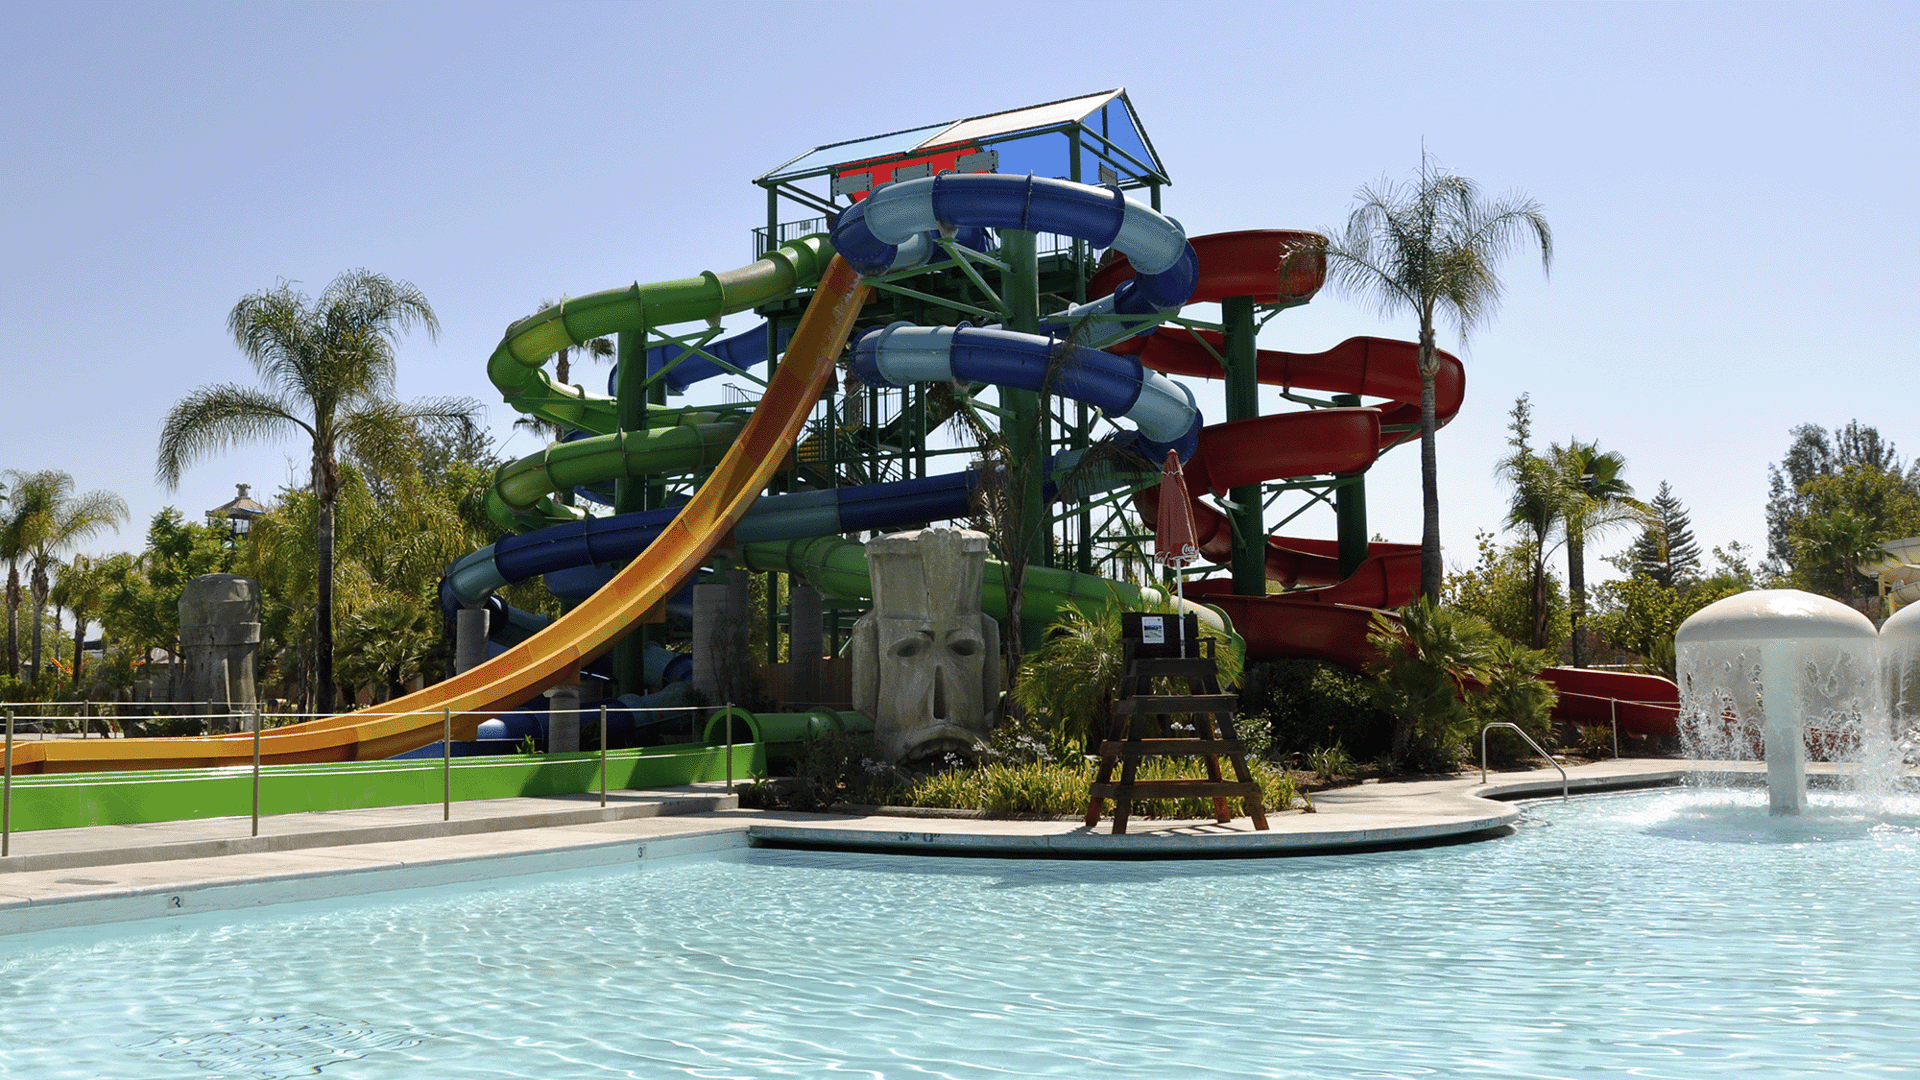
x: 1119, y: 386
x: 598, y: 541
x: 887, y: 232
x: 594, y: 542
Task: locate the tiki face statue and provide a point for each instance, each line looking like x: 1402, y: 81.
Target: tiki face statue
x: 926, y: 660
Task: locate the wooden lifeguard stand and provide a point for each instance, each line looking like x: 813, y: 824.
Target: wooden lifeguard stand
x: 1152, y: 649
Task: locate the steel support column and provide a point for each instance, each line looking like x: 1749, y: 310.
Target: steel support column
x: 1350, y: 509
x: 1243, y: 403
x: 1026, y: 433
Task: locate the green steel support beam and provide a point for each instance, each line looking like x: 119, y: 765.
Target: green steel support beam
x: 1026, y: 432
x: 630, y: 394
x: 630, y: 492
x: 1350, y: 509
x: 1243, y: 403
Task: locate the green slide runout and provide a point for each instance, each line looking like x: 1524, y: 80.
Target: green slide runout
x: 516, y: 366
x: 838, y: 567
x: 65, y: 800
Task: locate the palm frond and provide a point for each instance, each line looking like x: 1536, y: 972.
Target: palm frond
x: 217, y: 418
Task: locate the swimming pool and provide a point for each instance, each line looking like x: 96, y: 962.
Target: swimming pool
x: 1676, y: 934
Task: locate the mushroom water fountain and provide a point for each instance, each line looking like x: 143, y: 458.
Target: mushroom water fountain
x: 1787, y: 673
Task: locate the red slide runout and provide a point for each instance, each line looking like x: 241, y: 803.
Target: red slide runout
x: 1644, y: 704
x: 1280, y: 627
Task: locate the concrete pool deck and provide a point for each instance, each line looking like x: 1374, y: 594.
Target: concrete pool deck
x: 82, y: 876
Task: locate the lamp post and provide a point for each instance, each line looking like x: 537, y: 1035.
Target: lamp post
x: 239, y: 512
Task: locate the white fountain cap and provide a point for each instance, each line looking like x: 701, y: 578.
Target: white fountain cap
x: 1902, y: 626
x: 1775, y: 614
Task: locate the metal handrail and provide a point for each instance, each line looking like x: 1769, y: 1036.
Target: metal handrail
x: 1529, y: 740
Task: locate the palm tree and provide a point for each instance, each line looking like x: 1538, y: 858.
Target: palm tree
x: 1428, y: 247
x: 56, y: 520
x: 329, y: 368
x: 1600, y: 499
x: 386, y: 644
x: 1540, y: 499
x: 22, y: 505
x: 1842, y: 541
x: 82, y: 587
x: 1428, y: 662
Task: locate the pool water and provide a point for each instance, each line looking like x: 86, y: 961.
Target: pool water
x: 1678, y: 934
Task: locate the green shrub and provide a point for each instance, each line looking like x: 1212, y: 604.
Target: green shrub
x: 1514, y: 693
x: 1425, y: 669
x: 1256, y: 733
x: 1035, y: 787
x: 1067, y: 686
x: 1309, y: 703
x: 1061, y: 788
x: 1332, y: 762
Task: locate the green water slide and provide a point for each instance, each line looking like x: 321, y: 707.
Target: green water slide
x: 678, y: 440
x: 687, y: 441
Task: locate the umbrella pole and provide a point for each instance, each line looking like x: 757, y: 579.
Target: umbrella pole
x: 1180, y: 608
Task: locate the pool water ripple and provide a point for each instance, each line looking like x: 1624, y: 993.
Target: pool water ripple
x: 1663, y: 935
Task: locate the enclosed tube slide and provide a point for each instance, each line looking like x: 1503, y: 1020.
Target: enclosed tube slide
x: 1119, y: 386
x: 600, y: 540
x: 891, y: 230
x: 886, y: 232
x: 516, y: 367
x: 521, y: 498
x: 555, y: 654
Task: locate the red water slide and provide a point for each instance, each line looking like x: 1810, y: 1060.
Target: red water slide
x: 1326, y: 616
x: 1642, y: 704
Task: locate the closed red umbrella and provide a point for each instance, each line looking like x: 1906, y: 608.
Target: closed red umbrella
x: 1174, y: 543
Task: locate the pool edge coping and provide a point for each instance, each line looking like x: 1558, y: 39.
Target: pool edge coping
x: 289, y: 868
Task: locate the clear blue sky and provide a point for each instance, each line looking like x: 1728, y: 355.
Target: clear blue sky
x: 1722, y: 179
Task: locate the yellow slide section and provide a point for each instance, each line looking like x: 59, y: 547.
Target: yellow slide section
x: 554, y: 655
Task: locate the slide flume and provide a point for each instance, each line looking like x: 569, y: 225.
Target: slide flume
x: 553, y: 655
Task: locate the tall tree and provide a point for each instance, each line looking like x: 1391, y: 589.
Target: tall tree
x: 81, y: 585
x: 329, y: 369
x: 1599, y: 500
x: 1667, y: 551
x: 64, y: 520
x: 46, y: 519
x: 1839, y: 542
x: 15, y: 544
x: 1498, y: 590
x: 1539, y: 501
x: 1812, y: 455
x: 1431, y: 247
x: 1845, y: 518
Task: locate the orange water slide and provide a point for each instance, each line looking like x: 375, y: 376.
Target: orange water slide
x: 555, y: 654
